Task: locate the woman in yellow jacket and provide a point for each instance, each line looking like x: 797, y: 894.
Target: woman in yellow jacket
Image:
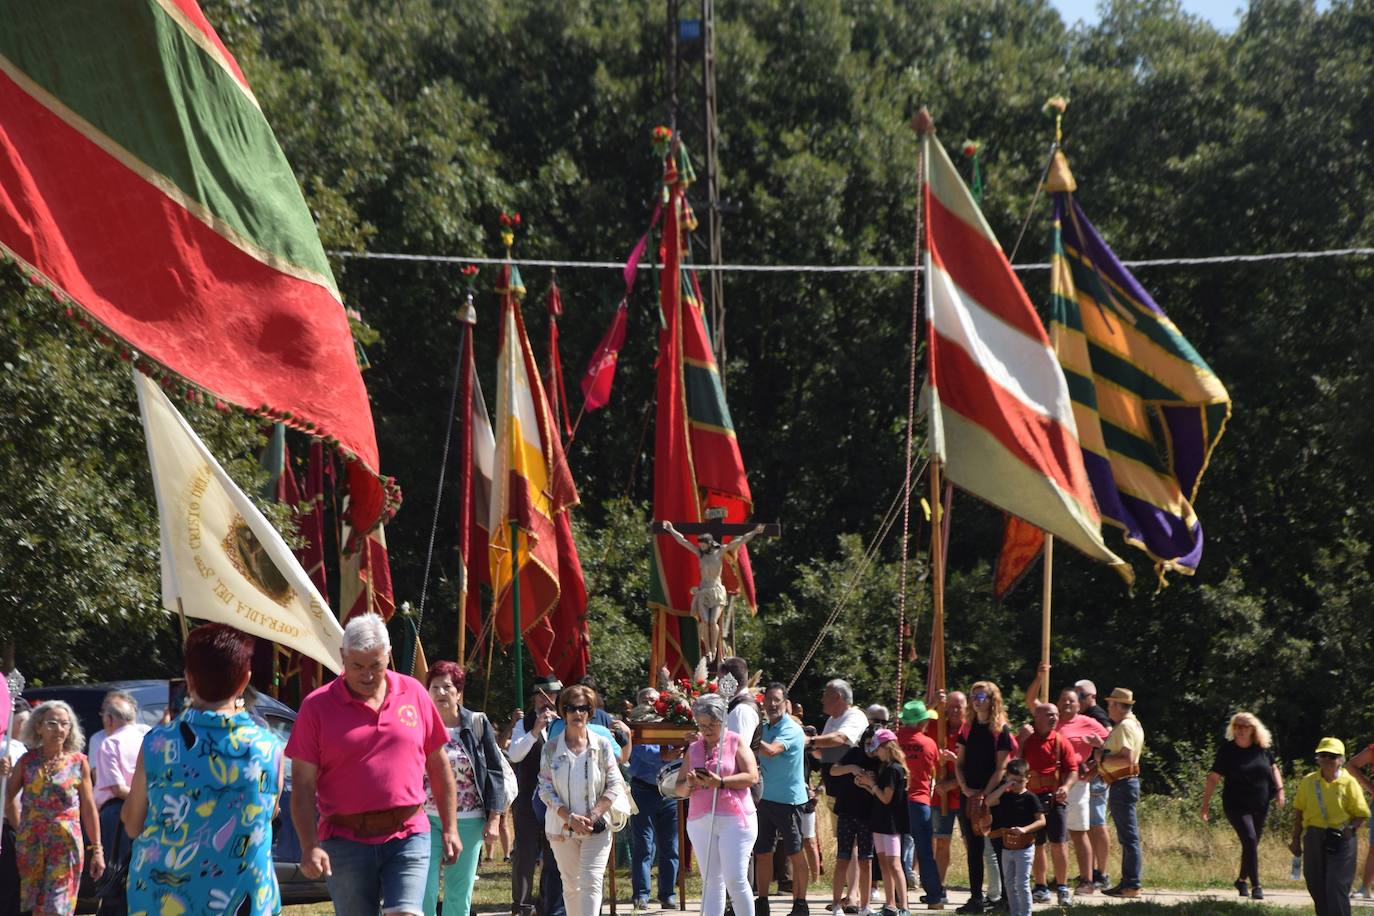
x: 1328, y: 810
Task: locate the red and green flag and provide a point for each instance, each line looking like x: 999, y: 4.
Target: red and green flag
x: 141, y: 182
x: 697, y: 460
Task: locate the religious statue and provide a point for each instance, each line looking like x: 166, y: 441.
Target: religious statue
x: 708, y: 598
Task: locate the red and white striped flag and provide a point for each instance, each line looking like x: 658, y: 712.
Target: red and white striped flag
x: 1001, y: 420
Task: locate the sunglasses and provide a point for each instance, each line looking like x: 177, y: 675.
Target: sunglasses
x: 583, y: 708
x: 979, y: 697
x: 1327, y: 756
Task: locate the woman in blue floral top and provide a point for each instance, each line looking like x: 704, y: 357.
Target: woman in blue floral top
x: 475, y: 757
x: 204, y: 793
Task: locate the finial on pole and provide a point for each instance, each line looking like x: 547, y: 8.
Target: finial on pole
x: 922, y: 122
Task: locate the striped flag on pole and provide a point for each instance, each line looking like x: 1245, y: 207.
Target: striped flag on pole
x: 1001, y: 420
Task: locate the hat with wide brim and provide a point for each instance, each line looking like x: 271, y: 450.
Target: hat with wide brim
x: 549, y: 684
x: 914, y: 712
x: 1331, y: 746
x: 1121, y: 695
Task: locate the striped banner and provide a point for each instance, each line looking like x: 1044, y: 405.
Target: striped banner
x: 531, y: 486
x: 1000, y: 414
x: 1149, y: 409
x: 141, y: 180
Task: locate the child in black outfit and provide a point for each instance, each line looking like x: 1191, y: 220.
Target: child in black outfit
x: 1016, y: 815
x: 888, y: 814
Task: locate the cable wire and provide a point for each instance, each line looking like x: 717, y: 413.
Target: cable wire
x: 1353, y: 252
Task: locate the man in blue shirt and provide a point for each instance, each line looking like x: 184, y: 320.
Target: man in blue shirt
x: 782, y: 770
x: 654, y: 826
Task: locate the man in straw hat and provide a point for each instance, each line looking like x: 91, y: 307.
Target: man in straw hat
x: 922, y: 755
x: 1119, y: 764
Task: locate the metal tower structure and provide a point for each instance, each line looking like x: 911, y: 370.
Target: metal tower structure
x: 690, y: 77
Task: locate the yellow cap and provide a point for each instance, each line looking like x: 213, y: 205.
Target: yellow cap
x: 1331, y: 746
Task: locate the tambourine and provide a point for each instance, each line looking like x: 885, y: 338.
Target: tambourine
x: 667, y: 779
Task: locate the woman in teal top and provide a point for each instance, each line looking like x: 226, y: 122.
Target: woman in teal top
x: 204, y: 793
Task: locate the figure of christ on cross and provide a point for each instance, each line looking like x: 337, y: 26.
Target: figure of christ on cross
x: 709, y: 597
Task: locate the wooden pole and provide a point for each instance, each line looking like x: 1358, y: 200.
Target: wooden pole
x: 515, y: 615
x: 937, y: 641
x: 181, y: 615
x: 1045, y: 619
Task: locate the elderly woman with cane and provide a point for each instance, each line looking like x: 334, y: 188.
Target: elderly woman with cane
x: 717, y: 774
x: 1328, y: 809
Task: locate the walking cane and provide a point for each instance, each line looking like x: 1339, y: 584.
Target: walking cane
x: 715, y: 794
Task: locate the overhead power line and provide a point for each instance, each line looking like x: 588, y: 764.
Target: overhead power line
x: 842, y: 268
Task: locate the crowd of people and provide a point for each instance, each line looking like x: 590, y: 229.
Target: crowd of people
x: 397, y: 788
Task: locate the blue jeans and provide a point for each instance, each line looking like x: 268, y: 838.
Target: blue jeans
x: 1122, y: 798
x: 1016, y: 875
x: 1097, y: 803
x: 458, y: 877
x: 393, y: 872
x: 923, y: 848
x: 653, y: 829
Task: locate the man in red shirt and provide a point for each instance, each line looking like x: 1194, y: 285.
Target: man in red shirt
x: 1053, y: 772
x: 922, y: 756
x: 360, y: 750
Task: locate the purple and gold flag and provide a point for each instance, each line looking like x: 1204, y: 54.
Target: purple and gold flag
x: 1149, y: 409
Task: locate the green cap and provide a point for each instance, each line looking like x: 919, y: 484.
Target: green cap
x: 914, y: 712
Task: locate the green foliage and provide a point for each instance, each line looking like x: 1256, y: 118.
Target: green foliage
x: 413, y: 124
x: 81, y: 597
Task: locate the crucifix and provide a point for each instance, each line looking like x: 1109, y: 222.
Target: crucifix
x: 709, y: 597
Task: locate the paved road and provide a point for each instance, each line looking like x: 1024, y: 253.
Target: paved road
x: 820, y: 903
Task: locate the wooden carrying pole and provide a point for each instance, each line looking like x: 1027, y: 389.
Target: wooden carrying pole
x: 515, y: 615
x: 937, y: 636
x: 1045, y: 619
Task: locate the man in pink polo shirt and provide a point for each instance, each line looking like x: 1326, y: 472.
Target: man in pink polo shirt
x: 360, y: 750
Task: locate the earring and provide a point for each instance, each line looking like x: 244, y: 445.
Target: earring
x: 238, y: 703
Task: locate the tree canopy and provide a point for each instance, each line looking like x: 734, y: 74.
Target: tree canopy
x: 412, y: 124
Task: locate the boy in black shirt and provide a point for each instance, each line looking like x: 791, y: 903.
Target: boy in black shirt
x: 1016, y: 815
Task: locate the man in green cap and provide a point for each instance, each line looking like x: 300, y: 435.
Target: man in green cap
x: 921, y: 757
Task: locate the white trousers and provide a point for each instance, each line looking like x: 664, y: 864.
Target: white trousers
x: 724, y: 863
x: 582, y: 863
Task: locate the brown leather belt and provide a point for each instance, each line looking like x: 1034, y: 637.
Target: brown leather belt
x: 374, y: 823
x: 1109, y: 778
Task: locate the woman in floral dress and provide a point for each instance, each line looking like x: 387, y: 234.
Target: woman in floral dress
x: 58, y: 801
x: 204, y: 793
x: 473, y: 753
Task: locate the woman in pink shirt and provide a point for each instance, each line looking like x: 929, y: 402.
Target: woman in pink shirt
x: 717, y: 775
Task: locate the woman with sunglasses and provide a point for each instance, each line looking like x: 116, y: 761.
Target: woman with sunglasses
x: 983, y: 753
x: 1328, y: 809
x: 1252, y: 777
x: 717, y: 774
x: 579, y: 782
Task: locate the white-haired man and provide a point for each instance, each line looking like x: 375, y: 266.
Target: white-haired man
x: 112, y: 771
x: 843, y: 732
x: 360, y: 750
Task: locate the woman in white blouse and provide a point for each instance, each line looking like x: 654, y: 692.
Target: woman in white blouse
x: 579, y: 781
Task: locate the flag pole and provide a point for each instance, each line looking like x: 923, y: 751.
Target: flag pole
x: 467, y: 318
x: 515, y: 614
x: 1045, y: 619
